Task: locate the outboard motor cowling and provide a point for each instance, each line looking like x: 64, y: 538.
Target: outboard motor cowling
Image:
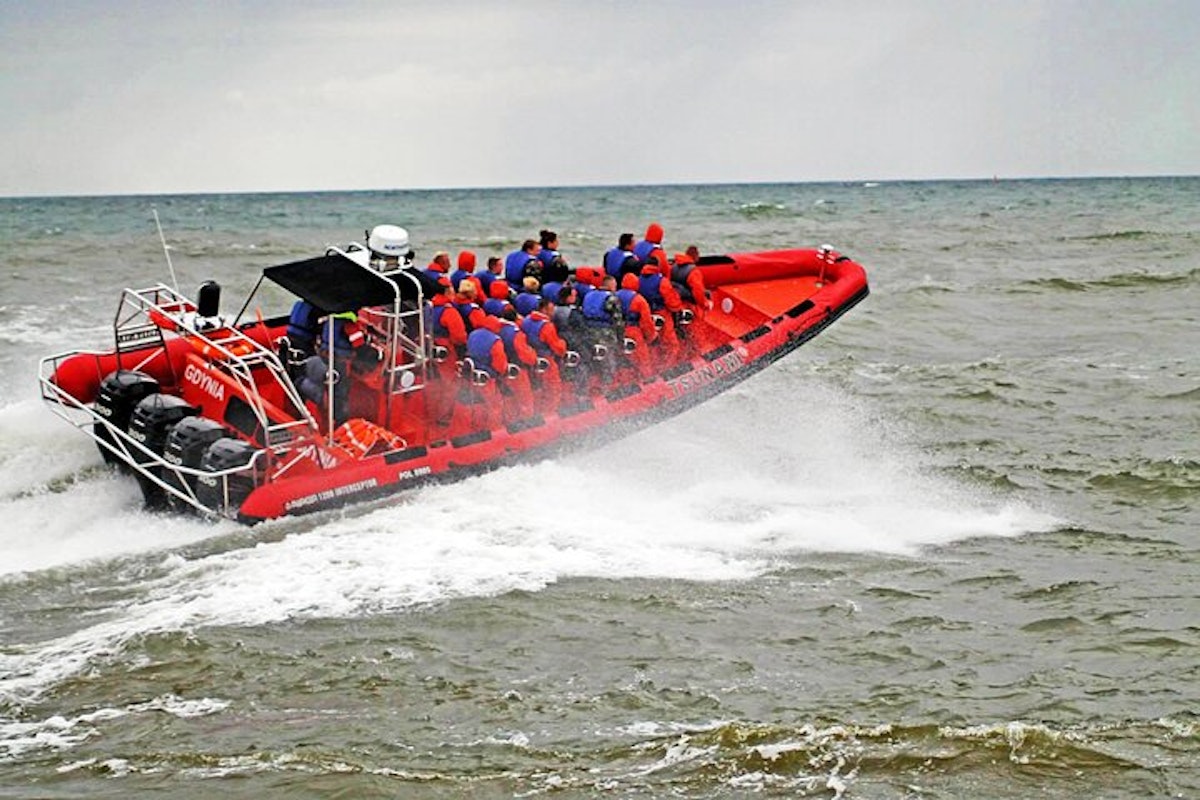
x: 150, y: 425
x: 186, y: 444
x: 222, y: 455
x: 119, y: 394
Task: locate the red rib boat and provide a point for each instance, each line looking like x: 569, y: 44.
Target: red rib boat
x: 208, y: 415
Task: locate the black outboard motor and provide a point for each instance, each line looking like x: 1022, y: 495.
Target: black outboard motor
x: 186, y: 444
x: 221, y: 455
x: 120, y: 392
x: 150, y: 425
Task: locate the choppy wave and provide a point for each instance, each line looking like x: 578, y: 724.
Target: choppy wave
x: 821, y: 759
x: 1172, y: 478
x: 762, y: 210
x: 1134, y: 234
x: 738, y: 506
x: 1122, y: 280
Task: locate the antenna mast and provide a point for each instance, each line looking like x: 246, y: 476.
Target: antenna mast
x: 166, y: 251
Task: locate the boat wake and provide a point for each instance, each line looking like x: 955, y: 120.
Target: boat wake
x: 728, y: 491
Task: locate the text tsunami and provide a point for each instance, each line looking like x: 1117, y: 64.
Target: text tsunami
x: 702, y: 376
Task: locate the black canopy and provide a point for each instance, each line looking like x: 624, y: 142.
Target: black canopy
x: 334, y: 283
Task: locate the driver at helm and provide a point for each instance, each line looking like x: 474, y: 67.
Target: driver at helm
x: 389, y: 248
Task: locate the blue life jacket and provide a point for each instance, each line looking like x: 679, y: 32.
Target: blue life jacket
x: 596, y: 309
x: 485, y: 279
x: 514, y: 266
x: 644, y: 248
x: 550, y: 291
x: 615, y: 260
x: 526, y: 303
x: 433, y: 274
x: 508, y: 335
x: 341, y: 341
x: 648, y: 286
x: 493, y: 306
x: 626, y: 297
x: 464, y: 311
x: 533, y: 332
x: 457, y: 277
x: 547, y: 256
x: 302, y: 325
x: 479, y: 348
x: 433, y: 318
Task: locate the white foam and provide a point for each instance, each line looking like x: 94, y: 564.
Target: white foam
x: 60, y: 505
x: 756, y: 479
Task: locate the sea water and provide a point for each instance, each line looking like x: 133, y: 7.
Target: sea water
x: 949, y: 548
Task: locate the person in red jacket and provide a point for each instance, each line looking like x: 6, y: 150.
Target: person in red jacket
x: 488, y: 364
x: 686, y: 273
x: 639, y: 324
x: 466, y: 272
x: 468, y: 307
x: 449, y: 335
x: 517, y: 388
x: 551, y: 349
x: 655, y: 285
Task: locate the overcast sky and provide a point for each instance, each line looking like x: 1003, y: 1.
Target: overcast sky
x: 116, y: 97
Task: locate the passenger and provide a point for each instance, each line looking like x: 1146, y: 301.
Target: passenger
x: 472, y: 315
x: 689, y: 282
x: 345, y: 335
x: 554, y: 266
x: 485, y: 349
x: 605, y: 324
x: 302, y: 328
x: 567, y: 316
x: 639, y: 324
x: 551, y: 291
x: 516, y: 343
x: 601, y: 308
x: 494, y: 270
x: 544, y: 338
x: 498, y: 298
x: 526, y: 303
x: 664, y: 303
x: 652, y: 243
x: 449, y: 335
x: 531, y: 285
x: 440, y: 266
x: 569, y: 322
x: 620, y: 260
x: 517, y: 388
x: 694, y: 252
x: 523, y: 263
x: 466, y: 272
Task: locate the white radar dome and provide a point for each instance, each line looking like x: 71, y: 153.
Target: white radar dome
x: 389, y: 240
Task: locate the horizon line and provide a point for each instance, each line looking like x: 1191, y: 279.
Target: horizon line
x: 673, y: 184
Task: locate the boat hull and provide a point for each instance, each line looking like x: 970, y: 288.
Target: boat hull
x: 624, y: 410
x: 763, y: 306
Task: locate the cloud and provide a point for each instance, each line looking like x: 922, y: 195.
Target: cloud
x: 144, y: 97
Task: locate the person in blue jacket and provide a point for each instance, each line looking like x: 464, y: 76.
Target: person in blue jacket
x: 554, y: 266
x: 522, y: 263
x: 652, y: 242
x: 620, y: 260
